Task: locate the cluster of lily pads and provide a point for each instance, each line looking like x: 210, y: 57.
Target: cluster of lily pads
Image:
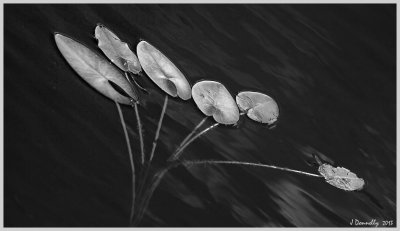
x: 117, y: 81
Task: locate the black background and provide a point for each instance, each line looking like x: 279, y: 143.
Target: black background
x: 331, y: 68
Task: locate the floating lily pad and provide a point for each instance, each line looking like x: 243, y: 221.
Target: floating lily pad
x: 341, y: 177
x: 162, y: 71
x: 258, y: 107
x: 116, y: 50
x: 96, y: 70
x: 213, y: 99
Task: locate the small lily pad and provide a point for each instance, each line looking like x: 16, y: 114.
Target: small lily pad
x: 341, y: 177
x: 96, y: 70
x: 162, y: 71
x: 116, y: 50
x: 258, y: 106
x: 213, y: 99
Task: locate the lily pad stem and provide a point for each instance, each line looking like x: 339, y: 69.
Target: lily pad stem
x: 191, y: 134
x: 177, y: 153
x: 153, y: 182
x: 121, y: 116
x: 206, y: 162
x: 139, y: 126
x: 159, y: 127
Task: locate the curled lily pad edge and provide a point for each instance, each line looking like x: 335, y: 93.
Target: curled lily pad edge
x: 229, y: 93
x: 177, y: 92
x: 138, y: 72
x: 247, y: 110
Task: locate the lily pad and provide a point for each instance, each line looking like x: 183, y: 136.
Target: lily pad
x: 162, y: 71
x: 213, y: 99
x: 116, y: 50
x: 96, y: 70
x: 341, y: 177
x: 258, y: 106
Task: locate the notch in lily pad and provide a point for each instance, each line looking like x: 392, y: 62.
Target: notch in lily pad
x: 96, y: 70
x: 258, y: 106
x: 213, y: 99
x: 162, y: 71
x: 116, y: 50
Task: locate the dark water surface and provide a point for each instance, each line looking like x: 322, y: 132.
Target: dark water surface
x: 331, y: 68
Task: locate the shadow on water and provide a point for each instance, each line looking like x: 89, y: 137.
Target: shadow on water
x: 331, y: 68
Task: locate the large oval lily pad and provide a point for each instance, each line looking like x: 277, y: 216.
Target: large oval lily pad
x: 116, y: 50
x: 341, y: 177
x: 213, y: 99
x: 96, y: 70
x: 258, y: 107
x: 162, y: 71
